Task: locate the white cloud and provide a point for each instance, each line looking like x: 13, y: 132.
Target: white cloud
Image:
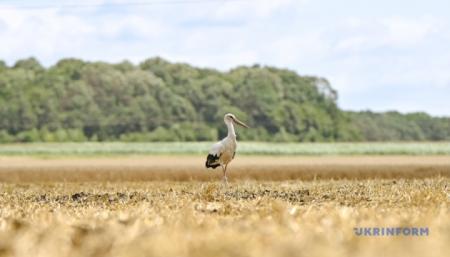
x: 363, y: 35
x: 246, y: 9
x: 361, y: 54
x: 403, y: 31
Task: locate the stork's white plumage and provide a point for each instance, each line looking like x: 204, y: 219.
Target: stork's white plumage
x: 223, y: 152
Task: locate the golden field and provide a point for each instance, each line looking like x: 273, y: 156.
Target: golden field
x: 171, y: 206
x: 191, y: 167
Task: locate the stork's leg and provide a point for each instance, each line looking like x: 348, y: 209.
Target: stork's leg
x: 225, y: 179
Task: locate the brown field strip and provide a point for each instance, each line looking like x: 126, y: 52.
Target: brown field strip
x: 186, y: 168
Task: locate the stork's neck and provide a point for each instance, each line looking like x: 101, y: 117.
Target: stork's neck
x: 230, y: 127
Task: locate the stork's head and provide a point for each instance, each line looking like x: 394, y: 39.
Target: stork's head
x: 230, y: 118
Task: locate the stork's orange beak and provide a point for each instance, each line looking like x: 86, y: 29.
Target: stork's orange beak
x: 240, y: 123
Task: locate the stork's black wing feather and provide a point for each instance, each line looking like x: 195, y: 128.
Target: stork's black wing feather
x: 212, y: 161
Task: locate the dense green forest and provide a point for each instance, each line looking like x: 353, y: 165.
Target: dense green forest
x: 157, y: 100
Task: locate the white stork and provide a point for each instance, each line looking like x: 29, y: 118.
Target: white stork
x: 223, y: 152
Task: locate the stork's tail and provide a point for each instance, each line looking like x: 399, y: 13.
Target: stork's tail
x: 212, y: 161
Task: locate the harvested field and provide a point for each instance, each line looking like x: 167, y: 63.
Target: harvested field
x: 172, y: 206
x: 186, y: 168
x: 293, y: 218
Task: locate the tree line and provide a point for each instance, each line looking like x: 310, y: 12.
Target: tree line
x: 157, y: 100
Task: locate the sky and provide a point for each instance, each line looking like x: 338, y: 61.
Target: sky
x: 380, y: 55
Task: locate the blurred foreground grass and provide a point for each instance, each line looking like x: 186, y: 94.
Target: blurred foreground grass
x: 247, y: 148
x: 291, y: 218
